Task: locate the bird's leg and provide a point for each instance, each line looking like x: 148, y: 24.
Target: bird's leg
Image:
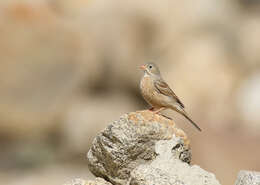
x: 159, y: 110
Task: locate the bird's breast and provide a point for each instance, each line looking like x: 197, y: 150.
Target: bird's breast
x: 149, y: 92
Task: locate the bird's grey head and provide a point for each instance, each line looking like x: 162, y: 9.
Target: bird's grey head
x: 151, y: 69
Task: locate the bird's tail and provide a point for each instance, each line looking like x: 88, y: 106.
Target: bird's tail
x: 182, y: 111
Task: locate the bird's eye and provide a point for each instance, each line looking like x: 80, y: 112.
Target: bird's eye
x: 150, y: 67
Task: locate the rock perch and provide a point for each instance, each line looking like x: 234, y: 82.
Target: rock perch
x: 248, y: 178
x: 145, y: 148
x: 97, y: 181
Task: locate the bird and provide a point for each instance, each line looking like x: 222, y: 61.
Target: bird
x: 158, y: 94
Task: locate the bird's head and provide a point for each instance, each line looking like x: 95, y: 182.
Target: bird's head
x: 150, y: 69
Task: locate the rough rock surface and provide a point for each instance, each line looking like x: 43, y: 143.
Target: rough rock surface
x: 130, y: 141
x: 145, y: 148
x: 167, y: 170
x: 97, y: 181
x: 248, y: 178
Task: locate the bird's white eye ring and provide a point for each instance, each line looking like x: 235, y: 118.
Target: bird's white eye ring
x: 150, y: 66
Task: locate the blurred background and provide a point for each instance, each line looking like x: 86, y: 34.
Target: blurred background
x: 70, y: 67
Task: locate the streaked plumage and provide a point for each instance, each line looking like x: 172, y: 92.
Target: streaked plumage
x: 158, y: 94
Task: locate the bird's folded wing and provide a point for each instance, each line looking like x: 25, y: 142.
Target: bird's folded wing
x: 164, y: 88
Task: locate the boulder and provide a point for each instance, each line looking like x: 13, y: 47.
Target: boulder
x: 168, y: 170
x: 145, y: 148
x: 248, y: 178
x: 97, y: 181
x: 130, y: 141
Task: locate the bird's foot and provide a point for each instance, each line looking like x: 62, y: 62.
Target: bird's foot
x: 158, y: 110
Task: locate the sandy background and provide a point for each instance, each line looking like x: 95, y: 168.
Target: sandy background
x: 70, y: 67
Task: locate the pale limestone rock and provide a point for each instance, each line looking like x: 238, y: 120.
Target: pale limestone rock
x: 130, y: 141
x: 97, y: 181
x: 248, y: 178
x: 145, y: 148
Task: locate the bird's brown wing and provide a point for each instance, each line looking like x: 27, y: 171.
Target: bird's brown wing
x: 164, y: 88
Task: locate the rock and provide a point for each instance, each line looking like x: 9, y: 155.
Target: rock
x: 131, y: 141
x: 248, y: 178
x: 166, y: 169
x: 97, y: 181
x: 76, y: 182
x: 148, y: 175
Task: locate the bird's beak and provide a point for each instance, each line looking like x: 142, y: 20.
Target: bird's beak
x: 142, y: 67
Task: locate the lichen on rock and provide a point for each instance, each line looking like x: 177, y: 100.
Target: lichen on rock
x: 145, y: 148
x: 129, y: 142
